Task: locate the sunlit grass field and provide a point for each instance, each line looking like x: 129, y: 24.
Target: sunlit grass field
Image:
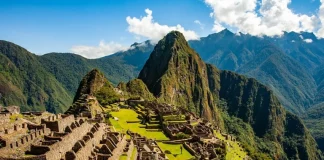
x: 121, y: 125
x: 234, y: 151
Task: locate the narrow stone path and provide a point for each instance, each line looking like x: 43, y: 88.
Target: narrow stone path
x: 119, y: 150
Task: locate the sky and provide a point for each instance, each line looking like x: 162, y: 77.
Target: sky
x: 96, y: 28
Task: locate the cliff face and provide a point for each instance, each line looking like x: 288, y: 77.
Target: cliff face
x: 175, y: 74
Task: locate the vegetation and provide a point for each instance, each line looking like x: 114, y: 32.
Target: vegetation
x: 25, y: 82
x: 175, y: 151
x: 233, y: 150
x: 136, y: 89
x: 281, y: 64
x: 174, y: 118
x: 182, y: 135
x: 106, y: 95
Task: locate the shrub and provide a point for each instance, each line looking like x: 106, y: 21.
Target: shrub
x: 182, y: 135
x: 167, y: 152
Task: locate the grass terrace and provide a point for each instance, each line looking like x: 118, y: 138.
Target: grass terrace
x: 234, y: 151
x: 175, y: 151
x: 121, y: 125
x: 174, y: 118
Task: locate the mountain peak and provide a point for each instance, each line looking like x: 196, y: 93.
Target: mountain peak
x: 175, y: 74
x: 91, y: 82
x: 175, y: 36
x: 226, y: 32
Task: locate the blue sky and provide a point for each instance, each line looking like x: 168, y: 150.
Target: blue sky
x: 43, y: 26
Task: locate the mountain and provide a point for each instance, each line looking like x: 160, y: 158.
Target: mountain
x: 263, y: 59
x: 25, y: 82
x: 120, y: 67
x: 292, y: 65
x: 49, y: 82
x: 94, y: 92
x: 314, y: 120
x: 135, y: 89
x: 92, y: 83
x: 176, y: 74
x: 171, y: 72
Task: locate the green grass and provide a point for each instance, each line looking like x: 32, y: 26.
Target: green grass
x: 133, y: 153
x: 175, y: 150
x: 130, y: 115
x: 15, y: 116
x: 234, y: 152
x: 123, y: 157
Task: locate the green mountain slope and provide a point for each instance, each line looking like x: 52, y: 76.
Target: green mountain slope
x: 314, y: 120
x: 26, y: 83
x: 263, y: 59
x: 120, y: 67
x: 50, y: 81
x: 291, y: 83
x: 175, y: 74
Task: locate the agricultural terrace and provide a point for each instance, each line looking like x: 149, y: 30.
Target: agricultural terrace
x: 130, y: 115
x: 233, y: 150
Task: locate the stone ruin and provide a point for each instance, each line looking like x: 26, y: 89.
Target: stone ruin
x: 202, y: 143
x: 147, y: 149
x: 59, y: 137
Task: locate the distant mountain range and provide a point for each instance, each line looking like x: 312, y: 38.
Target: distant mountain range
x: 291, y: 65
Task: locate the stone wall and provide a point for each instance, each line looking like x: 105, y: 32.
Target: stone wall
x: 58, y: 149
x: 14, y: 128
x: 28, y: 139
x: 5, y: 118
x: 40, y: 157
x: 58, y: 123
x: 85, y: 151
x: 13, y: 109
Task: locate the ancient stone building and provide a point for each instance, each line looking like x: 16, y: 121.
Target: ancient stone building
x: 59, y: 137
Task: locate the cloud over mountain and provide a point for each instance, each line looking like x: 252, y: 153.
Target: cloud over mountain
x: 103, y: 49
x: 146, y: 27
x: 266, y: 17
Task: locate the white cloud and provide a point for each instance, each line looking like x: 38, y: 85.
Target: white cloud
x: 103, y: 49
x: 146, y: 27
x: 202, y: 26
x: 271, y: 18
x: 308, y: 40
